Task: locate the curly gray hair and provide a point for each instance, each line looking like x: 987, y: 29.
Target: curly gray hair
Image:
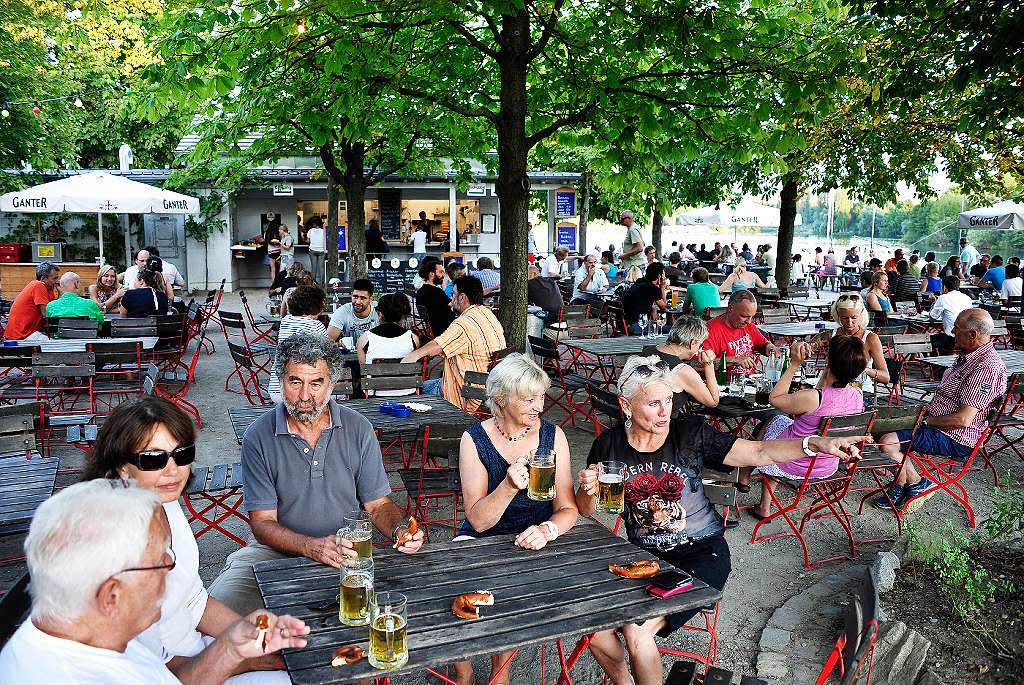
x: 303, y: 348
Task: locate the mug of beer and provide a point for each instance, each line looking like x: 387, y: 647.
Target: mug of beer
x: 389, y: 646
x: 542, y: 476
x: 356, y: 591
x: 611, y: 487
x: 358, y: 530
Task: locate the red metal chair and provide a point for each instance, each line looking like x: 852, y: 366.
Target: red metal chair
x: 856, y: 643
x: 215, y: 487
x: 563, y: 381
x: 264, y: 330
x: 1009, y: 417
x: 817, y: 498
x: 433, y: 482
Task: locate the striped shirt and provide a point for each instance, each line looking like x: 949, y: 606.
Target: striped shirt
x: 467, y: 346
x: 975, y: 380
x: 290, y: 325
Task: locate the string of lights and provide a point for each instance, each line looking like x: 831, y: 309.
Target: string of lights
x: 5, y: 112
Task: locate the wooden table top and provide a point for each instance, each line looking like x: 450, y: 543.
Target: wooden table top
x: 796, y: 329
x: 24, y: 485
x: 539, y: 596
x: 78, y: 345
x: 441, y: 412
x: 631, y: 344
x: 1014, y: 360
x: 809, y: 303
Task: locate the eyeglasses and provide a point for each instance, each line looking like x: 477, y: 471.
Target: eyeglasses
x: 168, y: 566
x: 154, y: 460
x: 647, y: 370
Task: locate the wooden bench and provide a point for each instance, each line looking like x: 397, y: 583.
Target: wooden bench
x: 214, y: 487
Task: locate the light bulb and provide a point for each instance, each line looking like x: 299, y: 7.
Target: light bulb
x: 5, y: 113
x: 301, y: 28
x: 35, y: 109
x: 78, y: 102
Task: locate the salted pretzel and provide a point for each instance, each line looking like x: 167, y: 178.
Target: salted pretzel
x: 645, y: 568
x: 468, y: 605
x: 409, y: 532
x: 263, y: 624
x: 348, y: 655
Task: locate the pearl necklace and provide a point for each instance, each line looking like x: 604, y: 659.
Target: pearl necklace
x: 511, y: 438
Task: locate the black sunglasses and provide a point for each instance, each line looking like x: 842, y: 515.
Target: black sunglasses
x: 155, y: 460
x: 647, y: 370
x: 852, y: 298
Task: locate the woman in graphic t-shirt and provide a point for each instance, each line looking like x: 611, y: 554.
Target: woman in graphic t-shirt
x: 666, y: 510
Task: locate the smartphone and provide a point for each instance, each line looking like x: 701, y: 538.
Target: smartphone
x: 668, y: 583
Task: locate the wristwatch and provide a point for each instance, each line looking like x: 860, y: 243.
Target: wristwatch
x: 552, y: 528
x: 806, y: 445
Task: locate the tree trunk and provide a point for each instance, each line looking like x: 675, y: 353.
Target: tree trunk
x: 657, y: 222
x: 787, y: 220
x: 351, y: 176
x: 331, y: 229
x: 513, y: 184
x: 584, y: 209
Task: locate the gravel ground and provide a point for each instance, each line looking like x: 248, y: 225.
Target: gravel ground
x: 764, y: 575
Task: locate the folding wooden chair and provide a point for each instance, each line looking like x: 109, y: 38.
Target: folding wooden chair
x: 475, y: 389
x: 63, y: 379
x: 81, y: 329
x: 856, y: 643
x: 214, y: 487
x: 563, y: 381
x: 1009, y: 416
x: 436, y: 477
x: 615, y: 318
x: 260, y: 354
x: 712, y: 312
x: 248, y: 373
x: 604, y: 407
x: 817, y: 498
x: 141, y: 327
x: 388, y: 378
x: 776, y: 315
x: 119, y: 373
x: 264, y: 331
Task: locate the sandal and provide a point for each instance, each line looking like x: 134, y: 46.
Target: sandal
x: 743, y: 487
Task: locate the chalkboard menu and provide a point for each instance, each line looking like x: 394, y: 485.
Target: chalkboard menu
x: 390, y: 275
x: 389, y: 200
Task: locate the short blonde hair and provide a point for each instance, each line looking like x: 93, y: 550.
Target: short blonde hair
x: 103, y: 270
x: 631, y: 383
x: 741, y: 265
x: 850, y: 303
x: 517, y: 375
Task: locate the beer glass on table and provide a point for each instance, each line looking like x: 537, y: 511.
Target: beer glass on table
x: 356, y: 591
x: 611, y: 486
x: 358, y: 529
x: 542, y: 476
x: 389, y: 645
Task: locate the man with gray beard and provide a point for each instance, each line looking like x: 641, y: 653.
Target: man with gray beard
x: 307, y: 462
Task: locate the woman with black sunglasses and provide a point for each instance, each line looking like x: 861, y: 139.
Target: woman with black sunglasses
x: 152, y: 442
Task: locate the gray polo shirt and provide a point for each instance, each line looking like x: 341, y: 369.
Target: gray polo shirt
x: 312, y: 488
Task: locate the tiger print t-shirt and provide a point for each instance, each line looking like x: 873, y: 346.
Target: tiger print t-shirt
x: 665, y: 500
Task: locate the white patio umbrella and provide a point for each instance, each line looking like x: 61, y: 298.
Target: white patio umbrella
x: 746, y: 213
x: 1001, y: 215
x: 101, y: 193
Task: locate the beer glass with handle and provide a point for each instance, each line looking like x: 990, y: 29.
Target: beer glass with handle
x: 356, y: 591
x: 611, y: 486
x: 389, y: 645
x: 358, y: 530
x: 542, y: 476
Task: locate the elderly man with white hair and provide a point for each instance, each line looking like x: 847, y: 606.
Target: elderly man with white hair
x: 633, y: 244
x: 955, y: 417
x: 666, y: 510
x: 98, y: 555
x: 73, y: 301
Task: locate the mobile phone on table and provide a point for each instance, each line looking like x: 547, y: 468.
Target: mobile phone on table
x: 670, y: 582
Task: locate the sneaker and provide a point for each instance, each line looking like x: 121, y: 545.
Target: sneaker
x: 896, y: 493
x: 917, y: 489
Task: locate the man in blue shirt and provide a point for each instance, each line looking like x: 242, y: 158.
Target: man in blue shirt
x: 995, y: 275
x: 968, y: 257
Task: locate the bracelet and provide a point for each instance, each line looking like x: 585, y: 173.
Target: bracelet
x: 550, y: 525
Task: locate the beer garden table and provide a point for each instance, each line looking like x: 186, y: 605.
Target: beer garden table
x: 539, y: 596
x: 795, y: 329
x: 78, y: 345
x: 1014, y: 360
x: 809, y: 304
x: 591, y: 350
x: 441, y: 412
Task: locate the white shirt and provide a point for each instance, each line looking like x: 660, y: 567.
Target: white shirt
x: 32, y: 656
x: 1011, y: 287
x: 597, y: 284
x: 419, y: 242
x: 316, y: 240
x: 947, y: 307
x: 131, y: 274
x: 687, y: 256
x: 184, y: 602
x: 554, y: 268
x: 172, y: 273
x: 968, y: 257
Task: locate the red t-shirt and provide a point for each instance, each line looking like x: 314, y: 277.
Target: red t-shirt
x: 735, y: 342
x: 24, y: 318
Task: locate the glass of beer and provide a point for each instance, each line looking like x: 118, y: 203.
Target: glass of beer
x: 542, y: 476
x: 611, y: 487
x: 389, y: 642
x: 358, y: 530
x: 356, y: 591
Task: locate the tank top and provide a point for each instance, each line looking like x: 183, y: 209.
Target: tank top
x: 934, y: 285
x: 834, y: 402
x: 522, y: 512
x: 738, y: 284
x: 382, y: 347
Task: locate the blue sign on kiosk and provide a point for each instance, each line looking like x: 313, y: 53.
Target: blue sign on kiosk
x: 565, y: 203
x: 566, y: 237
x: 342, y: 239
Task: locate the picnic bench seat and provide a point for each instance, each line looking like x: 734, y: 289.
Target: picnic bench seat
x: 213, y: 486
